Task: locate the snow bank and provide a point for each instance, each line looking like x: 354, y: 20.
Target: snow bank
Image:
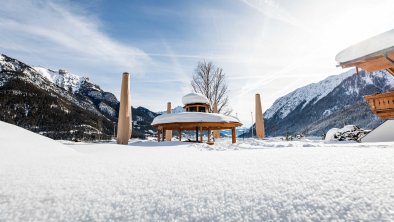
x: 194, y: 98
x: 175, y: 181
x: 367, y: 47
x: 383, y: 133
x: 20, y: 145
x: 191, y: 117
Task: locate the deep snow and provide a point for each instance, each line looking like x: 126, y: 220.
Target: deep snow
x: 42, y: 179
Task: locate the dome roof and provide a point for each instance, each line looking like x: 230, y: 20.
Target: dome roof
x: 194, y: 98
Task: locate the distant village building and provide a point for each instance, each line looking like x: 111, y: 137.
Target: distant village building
x: 195, y: 118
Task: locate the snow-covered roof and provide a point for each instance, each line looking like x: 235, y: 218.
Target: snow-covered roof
x: 194, y: 117
x: 384, y: 41
x: 194, y: 98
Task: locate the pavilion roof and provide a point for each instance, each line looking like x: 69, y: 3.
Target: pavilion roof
x: 194, y: 117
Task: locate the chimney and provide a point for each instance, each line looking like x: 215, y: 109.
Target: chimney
x: 216, y: 133
x: 124, y: 118
x: 168, y: 132
x: 259, y: 119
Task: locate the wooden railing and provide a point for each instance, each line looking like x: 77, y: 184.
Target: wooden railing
x: 382, y: 104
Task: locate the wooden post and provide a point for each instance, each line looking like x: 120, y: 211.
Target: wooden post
x: 168, y: 132
x: 163, y: 136
x: 180, y: 135
x: 158, y: 135
x: 233, y: 135
x: 216, y: 133
x: 200, y: 134
x: 125, y: 118
x: 196, y: 134
x: 209, y: 135
x: 259, y: 119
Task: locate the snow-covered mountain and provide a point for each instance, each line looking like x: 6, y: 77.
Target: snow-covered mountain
x: 311, y: 93
x: 60, y: 104
x: 333, y: 102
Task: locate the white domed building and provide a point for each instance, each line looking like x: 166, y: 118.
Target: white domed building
x: 196, y: 117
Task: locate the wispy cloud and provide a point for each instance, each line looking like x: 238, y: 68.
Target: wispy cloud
x: 52, y: 28
x: 273, y: 10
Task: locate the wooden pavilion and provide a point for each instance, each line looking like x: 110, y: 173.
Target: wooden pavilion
x: 376, y: 53
x: 195, y: 118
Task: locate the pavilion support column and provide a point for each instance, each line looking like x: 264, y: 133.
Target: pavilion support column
x: 233, y: 135
x: 158, y: 135
x: 163, y: 136
x: 216, y: 133
x: 124, y: 118
x: 200, y: 134
x: 259, y: 119
x: 180, y: 135
x: 209, y: 135
x: 168, y: 132
x: 196, y: 134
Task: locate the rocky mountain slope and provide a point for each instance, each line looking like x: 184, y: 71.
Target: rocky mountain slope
x: 334, y: 102
x: 61, y: 105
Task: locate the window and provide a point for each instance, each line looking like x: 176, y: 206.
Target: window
x: 193, y: 109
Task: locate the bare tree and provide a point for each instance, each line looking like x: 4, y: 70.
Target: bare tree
x: 210, y: 81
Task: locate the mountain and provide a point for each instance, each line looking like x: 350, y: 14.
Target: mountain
x: 61, y: 105
x: 177, y: 109
x: 334, y: 102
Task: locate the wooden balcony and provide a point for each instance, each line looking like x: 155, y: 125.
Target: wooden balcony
x: 382, y: 104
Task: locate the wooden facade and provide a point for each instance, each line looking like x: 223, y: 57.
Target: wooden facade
x: 382, y: 104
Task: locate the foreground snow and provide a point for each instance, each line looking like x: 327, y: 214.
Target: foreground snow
x: 252, y: 180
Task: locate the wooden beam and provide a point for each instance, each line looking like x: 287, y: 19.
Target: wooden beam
x: 209, y: 135
x: 180, y: 135
x: 158, y: 135
x: 164, y: 130
x: 233, y: 135
x: 391, y: 71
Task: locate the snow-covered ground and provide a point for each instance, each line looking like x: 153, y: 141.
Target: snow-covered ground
x: 42, y: 179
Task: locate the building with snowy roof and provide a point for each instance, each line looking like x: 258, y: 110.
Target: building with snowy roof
x: 376, y: 53
x: 196, y: 117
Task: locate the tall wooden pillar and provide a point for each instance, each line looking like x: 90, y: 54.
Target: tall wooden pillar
x: 168, y: 132
x: 180, y: 135
x: 209, y: 135
x: 233, y: 135
x: 158, y: 135
x: 260, y: 133
x: 163, y: 136
x: 124, y: 118
x: 216, y: 133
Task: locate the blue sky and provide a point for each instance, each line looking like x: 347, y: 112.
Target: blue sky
x: 269, y: 47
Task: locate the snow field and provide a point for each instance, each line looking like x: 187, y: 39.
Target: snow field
x: 250, y: 181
